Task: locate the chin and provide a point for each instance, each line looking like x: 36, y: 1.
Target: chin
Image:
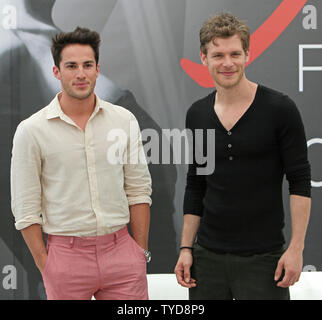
x: 82, y: 96
x: 226, y: 84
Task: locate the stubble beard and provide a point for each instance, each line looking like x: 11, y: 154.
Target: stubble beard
x: 79, y: 96
x: 230, y: 84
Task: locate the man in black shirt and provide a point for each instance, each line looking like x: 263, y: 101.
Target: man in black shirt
x: 232, y: 238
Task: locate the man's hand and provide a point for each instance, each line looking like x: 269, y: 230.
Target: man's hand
x: 182, y: 269
x: 291, y: 262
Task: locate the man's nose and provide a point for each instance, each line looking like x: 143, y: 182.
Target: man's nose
x: 80, y: 73
x: 227, y: 61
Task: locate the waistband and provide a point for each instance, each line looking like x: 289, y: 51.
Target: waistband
x: 271, y: 250
x: 87, y: 241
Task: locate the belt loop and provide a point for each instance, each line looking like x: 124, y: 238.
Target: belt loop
x: 71, y: 242
x: 115, y: 237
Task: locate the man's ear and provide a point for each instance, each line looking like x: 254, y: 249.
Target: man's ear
x: 98, y: 69
x: 203, y: 58
x: 56, y: 72
x: 247, y: 55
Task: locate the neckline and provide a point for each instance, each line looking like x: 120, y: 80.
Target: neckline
x: 244, y: 115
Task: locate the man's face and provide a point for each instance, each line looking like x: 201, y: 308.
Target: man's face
x: 226, y: 61
x: 77, y: 71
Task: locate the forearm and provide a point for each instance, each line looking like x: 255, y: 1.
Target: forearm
x: 292, y: 259
x: 182, y: 270
x: 33, y: 237
x: 300, y: 212
x: 190, y: 227
x: 140, y: 223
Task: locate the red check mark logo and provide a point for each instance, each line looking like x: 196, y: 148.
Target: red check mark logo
x: 260, y: 40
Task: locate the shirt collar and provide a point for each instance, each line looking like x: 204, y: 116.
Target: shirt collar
x: 54, y: 109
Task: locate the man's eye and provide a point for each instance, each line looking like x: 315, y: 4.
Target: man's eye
x: 71, y: 66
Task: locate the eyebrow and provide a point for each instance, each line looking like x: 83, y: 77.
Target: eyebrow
x: 74, y: 63
x: 233, y: 51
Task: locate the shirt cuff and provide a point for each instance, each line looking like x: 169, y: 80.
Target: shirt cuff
x: 138, y: 200
x: 28, y: 221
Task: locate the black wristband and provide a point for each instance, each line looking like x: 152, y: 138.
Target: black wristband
x: 191, y: 248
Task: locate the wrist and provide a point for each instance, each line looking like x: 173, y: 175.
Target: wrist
x: 40, y: 261
x: 141, y: 241
x: 296, y: 247
x: 186, y: 249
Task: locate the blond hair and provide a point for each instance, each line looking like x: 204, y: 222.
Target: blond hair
x: 223, y: 26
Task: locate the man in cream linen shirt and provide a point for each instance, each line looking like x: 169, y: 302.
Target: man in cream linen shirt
x: 78, y: 174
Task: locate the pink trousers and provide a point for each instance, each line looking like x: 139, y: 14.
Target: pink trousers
x: 109, y: 267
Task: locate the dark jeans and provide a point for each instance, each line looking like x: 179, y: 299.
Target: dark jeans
x: 229, y: 276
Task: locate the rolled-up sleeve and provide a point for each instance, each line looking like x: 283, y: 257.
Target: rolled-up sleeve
x: 25, y: 179
x: 137, y: 178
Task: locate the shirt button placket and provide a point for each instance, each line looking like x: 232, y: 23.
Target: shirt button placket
x: 230, y: 146
x: 90, y: 155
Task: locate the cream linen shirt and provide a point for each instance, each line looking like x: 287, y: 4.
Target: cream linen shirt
x: 62, y: 178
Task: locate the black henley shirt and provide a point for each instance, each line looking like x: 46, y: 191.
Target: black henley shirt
x: 241, y: 202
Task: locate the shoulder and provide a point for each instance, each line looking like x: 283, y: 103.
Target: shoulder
x: 117, y: 112
x: 200, y: 109
x: 283, y: 109
x: 201, y: 104
x: 34, y: 122
x: 29, y: 130
x: 276, y: 100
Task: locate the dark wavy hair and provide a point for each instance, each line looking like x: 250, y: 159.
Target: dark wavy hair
x: 78, y: 36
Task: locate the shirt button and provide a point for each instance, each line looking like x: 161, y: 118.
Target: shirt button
x: 229, y: 133
x: 231, y: 158
x: 229, y: 146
